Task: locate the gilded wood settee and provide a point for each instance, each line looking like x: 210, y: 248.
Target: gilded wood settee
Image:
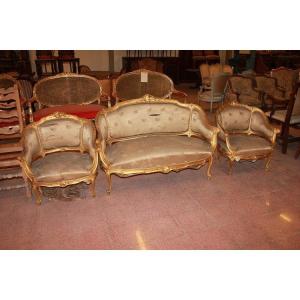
x: 245, y: 134
x: 59, y: 150
x: 151, y: 134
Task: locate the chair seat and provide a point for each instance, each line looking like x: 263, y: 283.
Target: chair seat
x: 207, y: 97
x: 61, y: 166
x: 247, y: 144
x: 280, y: 115
x: 157, y: 151
x: 88, y: 111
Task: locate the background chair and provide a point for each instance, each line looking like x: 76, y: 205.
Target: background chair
x: 12, y: 122
x: 288, y: 117
x: 217, y: 91
x: 245, y: 134
x: 272, y: 93
x: 286, y: 79
x: 59, y: 150
x: 75, y: 94
x: 208, y: 71
x: 243, y: 91
x: 136, y: 84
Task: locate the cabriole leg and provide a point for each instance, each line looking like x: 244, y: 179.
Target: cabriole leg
x: 209, y: 167
x: 230, y: 164
x: 92, y: 187
x: 38, y: 194
x: 108, y: 176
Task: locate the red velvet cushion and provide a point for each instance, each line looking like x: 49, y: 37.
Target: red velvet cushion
x: 88, y: 111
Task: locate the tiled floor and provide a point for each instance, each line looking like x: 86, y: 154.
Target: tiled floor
x: 251, y: 209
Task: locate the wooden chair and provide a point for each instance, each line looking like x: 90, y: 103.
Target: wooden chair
x: 289, y: 117
x: 12, y: 122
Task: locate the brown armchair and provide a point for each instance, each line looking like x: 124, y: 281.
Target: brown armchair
x: 272, y: 93
x: 245, y: 134
x: 243, y: 91
x: 286, y: 79
x: 136, y: 84
x: 70, y: 93
x: 59, y: 150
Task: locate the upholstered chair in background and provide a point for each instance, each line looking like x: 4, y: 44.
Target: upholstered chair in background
x: 59, y: 150
x: 286, y: 79
x: 208, y: 71
x: 245, y: 134
x: 272, y: 93
x: 243, y: 91
x: 217, y: 92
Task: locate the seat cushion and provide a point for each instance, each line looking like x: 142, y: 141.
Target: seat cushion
x: 247, y: 144
x: 88, y: 111
x: 61, y: 166
x: 157, y: 151
x: 207, y: 97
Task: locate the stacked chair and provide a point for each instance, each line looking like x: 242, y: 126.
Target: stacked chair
x: 12, y: 122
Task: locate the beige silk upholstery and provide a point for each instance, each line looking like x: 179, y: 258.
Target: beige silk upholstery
x: 243, y: 88
x: 154, y: 135
x: 157, y: 151
x: 245, y: 133
x: 59, y: 150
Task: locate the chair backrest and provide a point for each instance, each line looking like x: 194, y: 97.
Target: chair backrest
x: 84, y: 69
x: 150, y: 64
x: 219, y: 83
x: 58, y: 132
x: 149, y: 116
x: 240, y: 84
x: 141, y: 82
x: 240, y: 118
x: 11, y: 113
x: 286, y: 78
x: 67, y: 88
x: 265, y: 83
x: 208, y: 71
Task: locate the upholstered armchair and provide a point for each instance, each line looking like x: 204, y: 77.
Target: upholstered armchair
x: 286, y: 79
x: 243, y: 91
x: 136, y: 84
x: 70, y: 93
x: 209, y: 71
x: 245, y: 134
x: 272, y: 93
x: 59, y: 150
x: 151, y: 134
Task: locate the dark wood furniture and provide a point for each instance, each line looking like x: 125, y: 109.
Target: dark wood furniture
x: 287, y: 118
x: 15, y: 61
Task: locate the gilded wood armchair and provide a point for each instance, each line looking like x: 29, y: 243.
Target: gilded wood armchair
x: 59, y: 150
x: 245, y: 134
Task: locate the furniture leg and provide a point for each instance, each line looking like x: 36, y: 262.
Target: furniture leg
x: 108, y: 176
x: 268, y: 160
x: 92, y: 187
x: 209, y: 167
x: 28, y: 189
x: 230, y: 164
x: 38, y: 194
x: 285, y: 136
